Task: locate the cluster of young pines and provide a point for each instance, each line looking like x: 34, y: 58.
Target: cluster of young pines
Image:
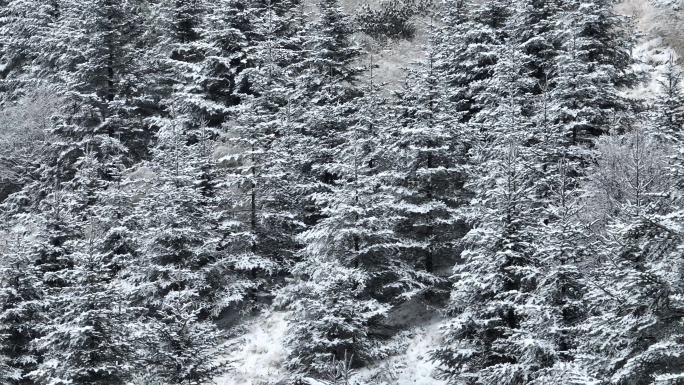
x: 169, y: 167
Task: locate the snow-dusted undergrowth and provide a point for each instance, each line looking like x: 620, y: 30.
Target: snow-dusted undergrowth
x: 413, y: 366
x: 652, y: 57
x: 257, y: 357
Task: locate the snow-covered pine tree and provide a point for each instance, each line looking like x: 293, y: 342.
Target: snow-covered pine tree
x: 321, y: 107
x: 83, y: 333
x: 346, y: 261
x: 44, y: 257
x: 333, y: 314
x: 375, y: 210
x: 667, y: 116
x: 493, y: 335
x: 230, y: 29
x: 206, y: 51
x: 26, y: 28
x: 429, y: 145
x: 177, y: 345
x: 8, y: 374
x: 193, y: 258
x: 534, y: 25
x: 259, y: 131
x: 85, y: 339
x: 446, y: 54
x: 201, y: 53
x: 349, y: 261
x: 557, y: 306
x: 485, y: 341
x: 99, y: 69
x: 332, y: 297
x: 50, y: 220
x: 465, y: 50
x: 593, y: 64
x: 34, y: 224
x: 178, y: 55
x: 21, y: 305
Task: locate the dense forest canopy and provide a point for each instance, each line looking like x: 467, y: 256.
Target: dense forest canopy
x: 170, y: 168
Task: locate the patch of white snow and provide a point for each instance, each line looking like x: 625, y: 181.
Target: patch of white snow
x: 258, y: 356
x: 414, y: 366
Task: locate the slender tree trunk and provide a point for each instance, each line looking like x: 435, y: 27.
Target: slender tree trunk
x: 253, y: 219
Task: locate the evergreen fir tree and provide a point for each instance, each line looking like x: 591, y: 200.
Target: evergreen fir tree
x: 517, y: 292
x: 668, y: 113
x: 99, y: 69
x: 593, y: 65
x: 82, y: 335
x: 534, y: 25
x: 177, y: 345
x: 260, y: 130
x: 349, y: 261
x: 495, y: 283
x: 430, y: 147
x: 22, y: 295
x: 466, y: 50
x: 85, y: 341
x: 344, y: 262
x: 193, y: 258
x: 230, y: 31
x: 201, y: 54
x: 498, y: 275
x: 558, y: 305
x: 48, y: 261
x: 27, y: 30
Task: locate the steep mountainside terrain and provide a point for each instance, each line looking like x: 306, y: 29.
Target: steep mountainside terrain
x: 258, y: 356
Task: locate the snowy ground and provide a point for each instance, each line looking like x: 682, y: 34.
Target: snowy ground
x: 414, y: 366
x: 257, y: 357
x: 652, y: 57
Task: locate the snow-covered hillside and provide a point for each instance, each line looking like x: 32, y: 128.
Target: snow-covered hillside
x: 658, y: 19
x: 245, y: 192
x: 258, y: 357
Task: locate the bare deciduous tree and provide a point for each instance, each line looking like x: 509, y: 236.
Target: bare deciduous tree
x: 25, y: 136
x: 630, y: 174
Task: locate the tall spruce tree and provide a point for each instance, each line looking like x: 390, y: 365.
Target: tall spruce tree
x: 99, y: 68
x: 52, y: 223
x: 28, y: 46
x: 83, y: 332
x: 22, y: 295
x: 430, y: 148
x: 260, y: 130
x: 342, y: 248
x: 465, y: 51
x: 498, y: 275
x: 193, y: 258
x: 86, y: 340
x: 534, y: 25
x: 593, y: 65
x: 515, y: 303
x: 667, y: 116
